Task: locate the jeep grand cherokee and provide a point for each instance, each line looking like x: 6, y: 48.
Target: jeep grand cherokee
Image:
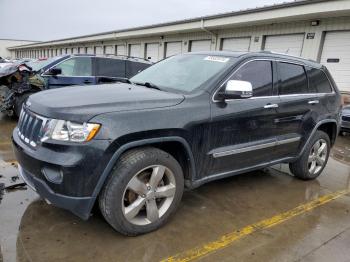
x: 184, y: 121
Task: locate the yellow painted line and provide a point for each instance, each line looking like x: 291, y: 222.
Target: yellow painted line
x: 229, y: 238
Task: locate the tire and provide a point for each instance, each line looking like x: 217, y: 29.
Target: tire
x: 311, y: 164
x: 19, y: 101
x: 123, y: 189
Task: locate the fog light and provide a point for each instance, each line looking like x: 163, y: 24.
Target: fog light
x: 53, y: 175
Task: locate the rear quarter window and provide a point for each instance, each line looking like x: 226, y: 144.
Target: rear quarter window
x: 292, y: 78
x: 318, y: 81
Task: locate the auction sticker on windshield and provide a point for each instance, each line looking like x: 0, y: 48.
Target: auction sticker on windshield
x: 217, y: 59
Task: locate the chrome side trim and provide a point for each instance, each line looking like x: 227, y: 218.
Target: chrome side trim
x: 256, y: 147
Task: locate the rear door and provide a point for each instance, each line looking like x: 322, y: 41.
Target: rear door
x: 295, y: 119
x: 75, y: 71
x: 324, y: 99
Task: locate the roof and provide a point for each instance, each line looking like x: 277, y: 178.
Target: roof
x: 259, y: 54
x: 294, y: 3
x: 20, y: 40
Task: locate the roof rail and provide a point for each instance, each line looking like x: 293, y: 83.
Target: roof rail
x: 128, y: 56
x: 277, y: 53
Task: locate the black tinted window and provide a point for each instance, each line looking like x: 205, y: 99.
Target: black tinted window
x: 132, y: 68
x: 293, y: 79
x: 318, y: 81
x: 259, y: 74
x: 110, y: 67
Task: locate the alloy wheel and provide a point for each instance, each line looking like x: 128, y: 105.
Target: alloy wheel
x: 317, y: 156
x: 148, y: 195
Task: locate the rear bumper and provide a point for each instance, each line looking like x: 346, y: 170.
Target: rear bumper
x: 80, y: 206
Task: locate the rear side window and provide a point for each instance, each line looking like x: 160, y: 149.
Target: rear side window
x: 110, y: 67
x: 259, y: 74
x: 292, y: 78
x: 318, y: 81
x: 132, y: 68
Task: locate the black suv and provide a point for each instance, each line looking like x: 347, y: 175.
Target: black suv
x: 187, y: 120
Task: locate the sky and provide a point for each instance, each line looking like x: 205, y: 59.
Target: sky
x: 45, y: 20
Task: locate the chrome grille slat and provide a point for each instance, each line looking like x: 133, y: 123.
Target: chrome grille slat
x: 29, y: 127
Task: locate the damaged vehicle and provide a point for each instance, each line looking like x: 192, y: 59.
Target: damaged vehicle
x: 20, y: 80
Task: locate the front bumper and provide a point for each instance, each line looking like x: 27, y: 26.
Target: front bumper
x: 80, y: 166
x: 80, y: 206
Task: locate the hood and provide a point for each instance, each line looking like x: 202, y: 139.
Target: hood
x: 81, y: 103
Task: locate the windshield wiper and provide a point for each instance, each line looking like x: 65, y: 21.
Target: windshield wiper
x: 147, y: 84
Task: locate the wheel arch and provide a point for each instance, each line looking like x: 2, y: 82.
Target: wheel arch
x: 326, y: 125
x: 161, y: 143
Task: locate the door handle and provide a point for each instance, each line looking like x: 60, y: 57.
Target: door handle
x: 271, y: 106
x: 313, y: 102
x: 87, y: 82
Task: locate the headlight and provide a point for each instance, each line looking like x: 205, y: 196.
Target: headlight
x: 69, y: 131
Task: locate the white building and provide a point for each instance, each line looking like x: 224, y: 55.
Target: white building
x: 314, y: 29
x: 6, y: 43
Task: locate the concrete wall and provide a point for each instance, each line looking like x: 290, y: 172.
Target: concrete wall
x: 5, y: 43
x: 311, y: 47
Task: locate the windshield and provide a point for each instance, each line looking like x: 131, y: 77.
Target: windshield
x: 39, y: 64
x: 183, y: 73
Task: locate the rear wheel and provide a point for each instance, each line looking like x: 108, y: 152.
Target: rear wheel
x: 143, y: 191
x: 314, y: 159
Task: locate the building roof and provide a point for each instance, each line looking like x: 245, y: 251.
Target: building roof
x: 208, y: 21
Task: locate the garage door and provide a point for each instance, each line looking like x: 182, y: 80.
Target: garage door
x: 81, y: 50
x: 173, y: 48
x: 135, y: 50
x: 109, y: 50
x: 89, y: 50
x: 152, y: 52
x: 236, y: 44
x: 336, y: 57
x: 200, y: 45
x: 120, y: 49
x: 98, y: 50
x: 286, y: 44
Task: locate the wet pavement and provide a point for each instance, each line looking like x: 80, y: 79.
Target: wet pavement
x: 32, y: 230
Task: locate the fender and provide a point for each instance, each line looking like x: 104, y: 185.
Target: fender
x: 133, y: 144
x: 314, y: 131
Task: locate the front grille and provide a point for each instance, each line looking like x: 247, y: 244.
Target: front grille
x: 29, y: 127
x: 346, y: 118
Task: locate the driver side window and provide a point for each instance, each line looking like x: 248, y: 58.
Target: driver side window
x: 77, y: 66
x: 259, y: 74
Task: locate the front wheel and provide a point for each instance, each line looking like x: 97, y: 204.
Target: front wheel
x: 143, y: 191
x: 314, y: 159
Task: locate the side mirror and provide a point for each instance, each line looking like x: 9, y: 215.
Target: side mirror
x: 54, y: 71
x: 236, y: 89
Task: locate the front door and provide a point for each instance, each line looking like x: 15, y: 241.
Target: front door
x: 75, y: 71
x: 243, y: 131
